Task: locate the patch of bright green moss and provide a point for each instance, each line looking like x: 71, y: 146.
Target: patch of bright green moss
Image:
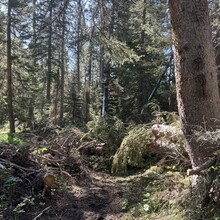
x: 130, y: 153
x: 11, y: 139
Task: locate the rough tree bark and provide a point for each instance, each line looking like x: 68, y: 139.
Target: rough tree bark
x: 196, y: 86
x: 9, y: 72
x: 195, y: 72
x: 88, y: 77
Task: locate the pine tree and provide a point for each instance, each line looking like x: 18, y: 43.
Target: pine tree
x: 9, y: 70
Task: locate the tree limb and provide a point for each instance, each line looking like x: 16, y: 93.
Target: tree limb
x: 22, y: 169
x: 197, y: 170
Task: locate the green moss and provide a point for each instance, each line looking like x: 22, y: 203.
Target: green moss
x: 131, y: 150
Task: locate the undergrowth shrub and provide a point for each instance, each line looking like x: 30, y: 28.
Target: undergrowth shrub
x: 8, y: 184
x: 109, y: 130
x: 11, y: 138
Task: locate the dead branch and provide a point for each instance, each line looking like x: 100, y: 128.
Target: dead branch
x: 51, y: 160
x: 65, y: 172
x: 66, y: 140
x: 197, y: 170
x: 2, y: 167
x: 55, y: 152
x: 38, y: 216
x: 22, y: 169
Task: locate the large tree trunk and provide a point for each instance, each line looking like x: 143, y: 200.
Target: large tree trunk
x: 195, y: 72
x: 196, y: 85
x: 9, y: 72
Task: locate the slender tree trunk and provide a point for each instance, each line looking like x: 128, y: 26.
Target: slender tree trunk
x: 79, y: 46
x: 9, y: 73
x: 101, y: 58
x: 89, y: 77
x: 90, y: 64
x: 62, y: 68
x: 88, y: 86
x: 32, y: 99
x: 105, y: 64
x: 56, y: 96
x: 102, y: 79
x: 141, y: 100
x: 143, y: 21
x: 87, y: 103
x: 195, y: 72
x: 49, y: 55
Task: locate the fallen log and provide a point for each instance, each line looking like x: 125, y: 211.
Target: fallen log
x: 163, y: 130
x: 166, y: 140
x: 92, y: 148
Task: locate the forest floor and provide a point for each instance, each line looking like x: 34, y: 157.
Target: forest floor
x: 82, y: 190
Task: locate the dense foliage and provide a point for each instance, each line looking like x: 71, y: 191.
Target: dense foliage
x: 75, y: 60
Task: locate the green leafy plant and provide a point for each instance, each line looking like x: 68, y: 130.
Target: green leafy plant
x: 20, y: 208
x: 11, y: 139
x: 12, y: 181
x: 124, y: 204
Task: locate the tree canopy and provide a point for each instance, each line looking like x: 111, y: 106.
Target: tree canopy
x: 74, y: 60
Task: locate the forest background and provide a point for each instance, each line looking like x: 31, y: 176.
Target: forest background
x: 74, y: 61
x: 103, y: 66
x: 71, y: 62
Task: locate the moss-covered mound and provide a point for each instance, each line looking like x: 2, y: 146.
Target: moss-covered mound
x: 131, y: 150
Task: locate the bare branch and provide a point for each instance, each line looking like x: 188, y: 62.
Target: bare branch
x: 197, y: 170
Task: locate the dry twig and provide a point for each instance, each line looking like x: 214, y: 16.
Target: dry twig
x: 66, y: 140
x: 38, y: 216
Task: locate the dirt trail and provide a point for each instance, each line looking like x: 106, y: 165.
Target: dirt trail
x: 92, y: 197
x: 80, y: 192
